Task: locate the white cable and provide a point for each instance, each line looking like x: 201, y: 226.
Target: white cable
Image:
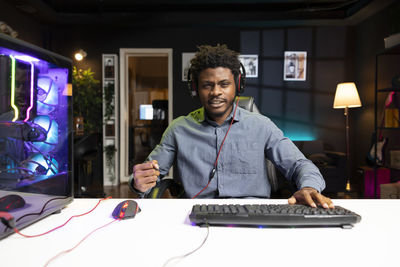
x: 178, y: 258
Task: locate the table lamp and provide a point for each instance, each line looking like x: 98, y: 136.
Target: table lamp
x: 346, y: 97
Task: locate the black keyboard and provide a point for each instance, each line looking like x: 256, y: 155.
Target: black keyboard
x: 272, y: 215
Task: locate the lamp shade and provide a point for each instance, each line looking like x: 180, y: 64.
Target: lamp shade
x: 346, y: 96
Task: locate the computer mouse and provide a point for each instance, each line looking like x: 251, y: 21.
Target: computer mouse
x: 11, y: 202
x: 127, y: 209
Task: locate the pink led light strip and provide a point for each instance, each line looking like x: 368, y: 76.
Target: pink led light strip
x: 31, y: 104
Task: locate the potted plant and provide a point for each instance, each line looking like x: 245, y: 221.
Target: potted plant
x: 87, y: 100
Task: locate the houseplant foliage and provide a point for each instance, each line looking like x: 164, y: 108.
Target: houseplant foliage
x: 87, y: 99
x: 108, y: 101
x: 109, y: 151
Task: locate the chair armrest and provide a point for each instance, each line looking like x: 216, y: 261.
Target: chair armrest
x: 339, y: 158
x: 334, y: 154
x: 166, y: 187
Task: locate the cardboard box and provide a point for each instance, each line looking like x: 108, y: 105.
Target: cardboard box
x: 390, y: 190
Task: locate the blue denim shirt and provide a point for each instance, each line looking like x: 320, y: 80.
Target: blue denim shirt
x: 193, y: 142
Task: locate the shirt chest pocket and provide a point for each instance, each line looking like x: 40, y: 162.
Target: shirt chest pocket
x: 243, y: 158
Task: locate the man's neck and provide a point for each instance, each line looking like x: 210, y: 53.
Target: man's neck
x: 220, y: 119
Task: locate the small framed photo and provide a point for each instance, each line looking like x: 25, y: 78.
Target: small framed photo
x: 186, y: 57
x: 108, y: 61
x: 108, y: 67
x: 295, y: 65
x: 250, y: 63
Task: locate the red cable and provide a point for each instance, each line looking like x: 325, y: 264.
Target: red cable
x: 80, y: 242
x: 219, y: 151
x: 29, y: 236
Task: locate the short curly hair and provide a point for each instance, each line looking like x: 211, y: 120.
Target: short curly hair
x: 213, y: 57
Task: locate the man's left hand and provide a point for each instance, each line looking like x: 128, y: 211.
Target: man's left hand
x: 309, y: 196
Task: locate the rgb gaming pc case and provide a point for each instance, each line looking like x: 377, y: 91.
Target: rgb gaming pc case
x: 35, y: 132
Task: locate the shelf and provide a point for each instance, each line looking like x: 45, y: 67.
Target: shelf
x: 110, y: 126
x: 394, y: 50
x: 388, y: 90
x: 388, y: 128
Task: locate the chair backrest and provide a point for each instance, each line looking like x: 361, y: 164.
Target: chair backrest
x: 247, y: 103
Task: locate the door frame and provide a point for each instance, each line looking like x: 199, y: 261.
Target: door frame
x: 124, y: 54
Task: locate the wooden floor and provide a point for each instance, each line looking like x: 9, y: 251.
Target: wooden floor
x: 119, y: 191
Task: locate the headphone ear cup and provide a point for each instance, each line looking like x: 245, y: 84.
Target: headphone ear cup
x: 241, y: 80
x: 194, y: 89
x: 238, y: 84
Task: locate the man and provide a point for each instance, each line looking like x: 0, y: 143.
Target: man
x: 220, y: 149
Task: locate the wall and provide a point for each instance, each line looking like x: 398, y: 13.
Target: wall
x: 28, y: 29
x: 335, y: 54
x: 96, y: 41
x: 369, y: 36
x: 302, y: 109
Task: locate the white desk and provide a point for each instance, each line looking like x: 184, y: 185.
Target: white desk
x: 162, y: 230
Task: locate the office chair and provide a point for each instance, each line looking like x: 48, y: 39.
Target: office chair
x: 176, y: 190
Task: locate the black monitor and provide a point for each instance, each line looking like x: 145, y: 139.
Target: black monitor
x: 35, y: 132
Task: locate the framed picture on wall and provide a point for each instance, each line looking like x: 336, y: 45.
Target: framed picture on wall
x: 295, y: 65
x: 108, y: 67
x: 250, y: 63
x: 186, y: 57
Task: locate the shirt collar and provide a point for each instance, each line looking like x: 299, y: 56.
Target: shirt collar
x: 200, y: 115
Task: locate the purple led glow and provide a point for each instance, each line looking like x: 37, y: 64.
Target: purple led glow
x: 47, y: 95
x: 28, y: 111
x: 27, y: 58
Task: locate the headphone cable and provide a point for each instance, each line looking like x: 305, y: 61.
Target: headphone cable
x: 212, y: 173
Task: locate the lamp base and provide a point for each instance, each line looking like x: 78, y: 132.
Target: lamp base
x: 348, y: 186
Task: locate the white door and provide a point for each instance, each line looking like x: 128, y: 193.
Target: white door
x: 145, y: 103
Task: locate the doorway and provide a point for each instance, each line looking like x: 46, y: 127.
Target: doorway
x: 145, y: 103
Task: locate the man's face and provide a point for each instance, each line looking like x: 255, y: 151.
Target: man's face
x: 216, y: 88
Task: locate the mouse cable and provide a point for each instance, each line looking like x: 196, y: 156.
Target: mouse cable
x: 212, y: 173
x: 74, y: 216
x: 43, y: 208
x: 178, y: 258
x: 80, y: 242
x: 36, y: 213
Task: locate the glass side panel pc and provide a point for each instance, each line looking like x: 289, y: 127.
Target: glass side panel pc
x: 35, y: 123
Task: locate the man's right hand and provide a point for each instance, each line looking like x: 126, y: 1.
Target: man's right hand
x: 145, y: 175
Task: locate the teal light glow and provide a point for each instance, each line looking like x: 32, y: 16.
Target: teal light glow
x: 300, y: 137
x: 298, y: 131
x: 51, y: 127
x: 40, y: 164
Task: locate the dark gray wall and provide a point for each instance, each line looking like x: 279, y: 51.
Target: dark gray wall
x: 302, y: 109
x: 28, y: 29
x: 96, y: 41
x: 369, y: 36
x: 335, y: 54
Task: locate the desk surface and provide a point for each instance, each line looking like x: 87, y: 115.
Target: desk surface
x: 162, y: 230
